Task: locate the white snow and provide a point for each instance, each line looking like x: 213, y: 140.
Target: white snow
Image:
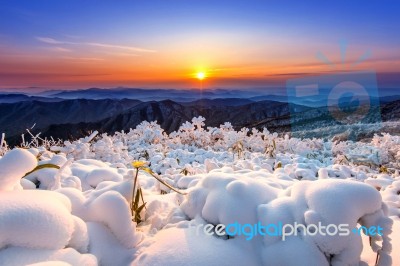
x: 181, y: 247
x: 13, y: 166
x: 17, y: 256
x: 80, y: 214
x: 35, y: 219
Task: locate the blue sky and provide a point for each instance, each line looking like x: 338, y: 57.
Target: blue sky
x: 163, y: 43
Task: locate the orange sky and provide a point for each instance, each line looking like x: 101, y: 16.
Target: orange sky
x: 142, y: 45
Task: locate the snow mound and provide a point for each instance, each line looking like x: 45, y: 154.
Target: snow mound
x: 226, y: 197
x: 231, y: 177
x: 109, y: 208
x: 19, y: 256
x: 103, y: 174
x: 294, y: 252
x: 327, y: 202
x: 51, y: 263
x: 13, y: 166
x: 107, y: 249
x: 188, y: 248
x: 39, y: 219
x: 113, y: 210
x: 213, y: 197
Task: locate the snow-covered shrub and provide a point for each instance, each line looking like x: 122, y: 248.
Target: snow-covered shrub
x: 275, y: 178
x: 328, y: 202
x: 3, y: 144
x: 33, y: 222
x: 214, y: 195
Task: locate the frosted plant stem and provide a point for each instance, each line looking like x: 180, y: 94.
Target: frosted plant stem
x: 23, y: 140
x: 3, y: 135
x: 134, y: 189
x: 57, y: 180
x: 92, y: 136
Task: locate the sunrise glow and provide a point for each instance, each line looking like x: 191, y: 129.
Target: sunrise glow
x: 245, y: 46
x: 201, y: 75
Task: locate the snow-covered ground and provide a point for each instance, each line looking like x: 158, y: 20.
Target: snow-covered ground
x: 75, y: 208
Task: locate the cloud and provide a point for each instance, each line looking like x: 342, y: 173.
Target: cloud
x: 46, y: 75
x: 49, y: 40
x: 95, y: 44
x: 129, y: 48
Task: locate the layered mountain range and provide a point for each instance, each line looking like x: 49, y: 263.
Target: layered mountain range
x: 59, y: 117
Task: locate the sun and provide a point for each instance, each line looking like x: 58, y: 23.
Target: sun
x: 201, y: 75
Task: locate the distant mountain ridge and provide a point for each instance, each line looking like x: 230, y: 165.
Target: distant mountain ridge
x: 15, y: 118
x: 74, y: 118
x: 184, y: 95
x: 219, y: 102
x: 196, y: 95
x: 123, y: 108
x: 14, y: 98
x: 207, y: 96
x: 71, y: 119
x: 171, y: 115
